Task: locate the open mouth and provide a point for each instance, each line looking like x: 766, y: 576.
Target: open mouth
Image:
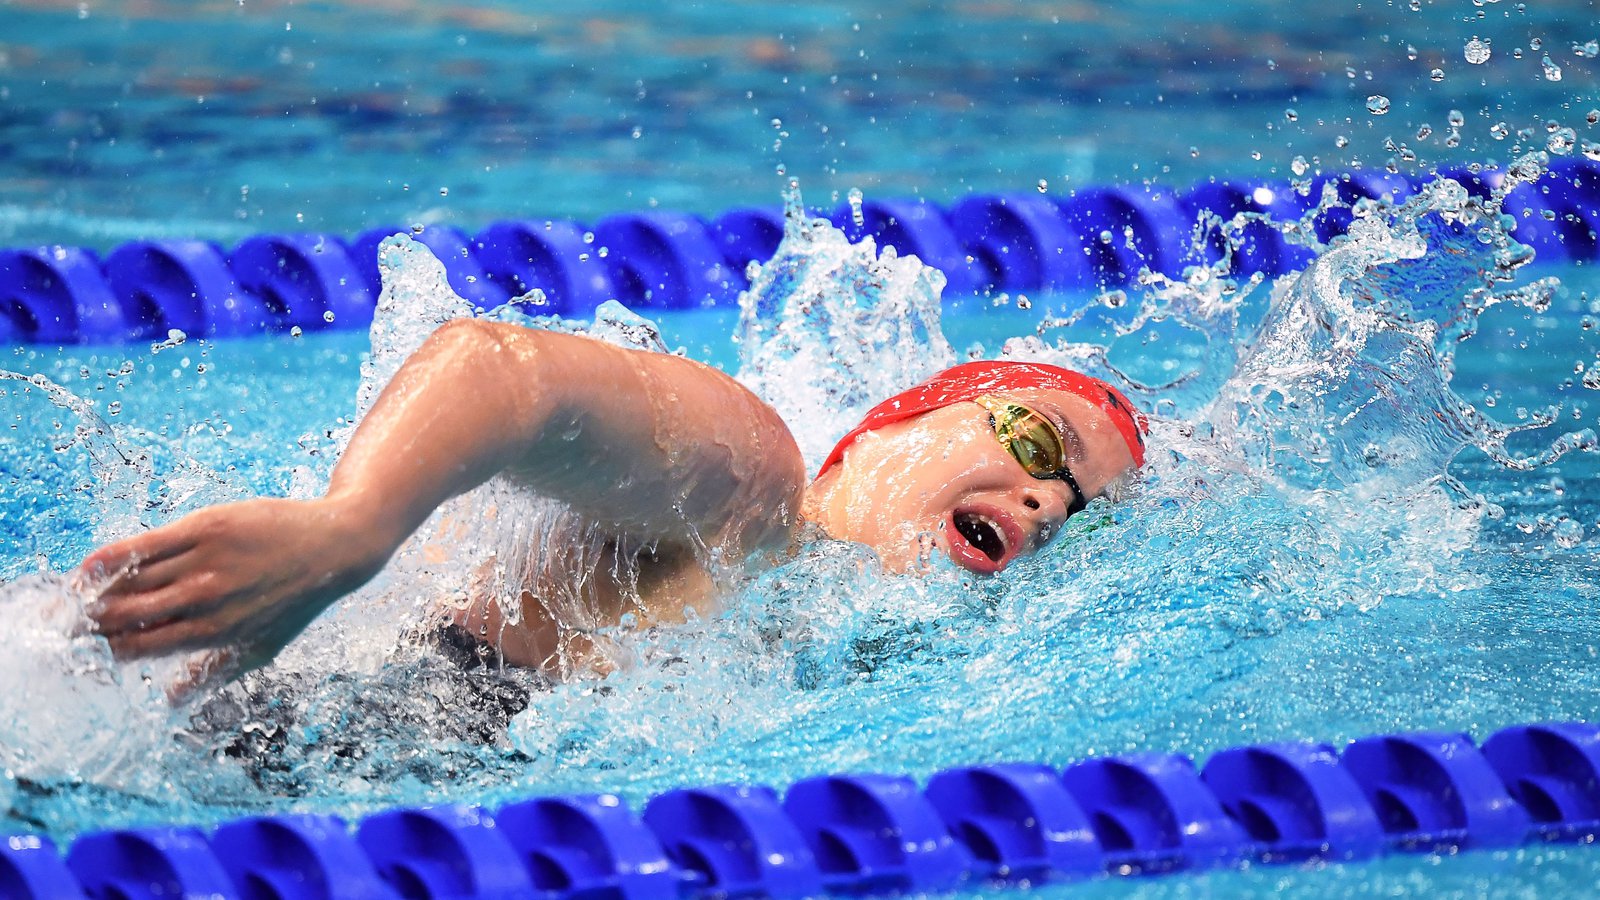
x: 983, y: 539
x: 982, y: 533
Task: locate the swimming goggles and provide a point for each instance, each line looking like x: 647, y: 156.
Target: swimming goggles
x: 1034, y: 441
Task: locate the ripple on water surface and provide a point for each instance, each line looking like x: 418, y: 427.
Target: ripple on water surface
x: 1334, y: 537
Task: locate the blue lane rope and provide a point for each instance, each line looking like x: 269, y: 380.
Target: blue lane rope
x: 1097, y: 237
x: 870, y: 834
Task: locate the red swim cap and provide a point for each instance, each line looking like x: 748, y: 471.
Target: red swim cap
x: 971, y: 380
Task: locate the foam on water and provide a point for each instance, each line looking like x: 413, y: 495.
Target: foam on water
x: 1298, y: 512
x: 828, y: 328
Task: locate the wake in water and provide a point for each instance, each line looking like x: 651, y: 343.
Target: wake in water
x: 1300, y: 479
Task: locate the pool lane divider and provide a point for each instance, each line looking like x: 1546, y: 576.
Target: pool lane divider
x: 1016, y: 824
x: 1097, y: 237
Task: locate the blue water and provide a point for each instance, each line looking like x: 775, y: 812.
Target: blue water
x: 1299, y: 563
x: 223, y: 119
x: 1264, y: 584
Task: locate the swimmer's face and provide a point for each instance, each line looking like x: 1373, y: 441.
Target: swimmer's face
x: 942, y: 482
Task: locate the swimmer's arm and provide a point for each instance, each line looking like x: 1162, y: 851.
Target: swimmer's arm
x: 658, y: 447
x: 653, y: 446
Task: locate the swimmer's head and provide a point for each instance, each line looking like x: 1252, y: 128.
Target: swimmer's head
x: 983, y: 462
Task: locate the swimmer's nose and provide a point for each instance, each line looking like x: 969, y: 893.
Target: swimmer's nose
x: 1044, y: 510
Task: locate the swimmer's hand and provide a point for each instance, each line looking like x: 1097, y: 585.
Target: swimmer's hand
x: 247, y: 577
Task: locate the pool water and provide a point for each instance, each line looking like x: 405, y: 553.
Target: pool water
x: 1318, y: 551
x: 1338, y: 535
x: 222, y: 119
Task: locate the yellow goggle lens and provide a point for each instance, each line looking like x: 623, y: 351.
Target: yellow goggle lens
x: 1028, y: 436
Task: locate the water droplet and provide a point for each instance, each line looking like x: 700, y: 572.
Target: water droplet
x: 1591, y: 150
x: 1436, y: 75
x: 1456, y: 119
x: 1588, y: 50
x: 1416, y: 5
x: 854, y: 199
x: 637, y: 132
x: 114, y: 408
x: 1477, y: 51
x: 1552, y: 72
x: 1341, y: 142
x: 1499, y: 131
x: 1536, y: 44
x: 1378, y: 104
x: 295, y: 331
x: 1562, y: 140
x: 175, y: 337
x: 327, y: 316
x: 1568, y: 534
x: 1044, y: 186
x: 1298, y: 165
x: 1194, y: 152
x: 1023, y: 302
x: 1411, y: 54
x: 444, y: 192
x: 1593, y: 118
x: 1292, y: 114
x: 1423, y: 131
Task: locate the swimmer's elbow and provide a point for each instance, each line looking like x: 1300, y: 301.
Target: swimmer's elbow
x: 777, y: 515
x: 469, y: 335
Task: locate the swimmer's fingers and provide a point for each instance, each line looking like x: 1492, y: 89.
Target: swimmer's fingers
x: 144, y: 577
x: 120, y: 559
x: 210, y: 668
x: 122, y: 614
x: 251, y: 575
x: 158, y: 637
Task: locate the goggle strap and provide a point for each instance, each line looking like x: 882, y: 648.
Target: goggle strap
x: 1078, y: 503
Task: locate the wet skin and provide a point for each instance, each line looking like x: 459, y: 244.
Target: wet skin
x: 943, y: 481
x: 707, y: 466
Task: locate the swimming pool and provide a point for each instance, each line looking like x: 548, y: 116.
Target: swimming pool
x: 1294, y: 569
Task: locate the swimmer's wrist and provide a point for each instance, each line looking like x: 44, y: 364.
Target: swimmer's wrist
x: 368, y: 532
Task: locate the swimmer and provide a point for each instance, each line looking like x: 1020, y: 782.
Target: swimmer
x: 671, y: 457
